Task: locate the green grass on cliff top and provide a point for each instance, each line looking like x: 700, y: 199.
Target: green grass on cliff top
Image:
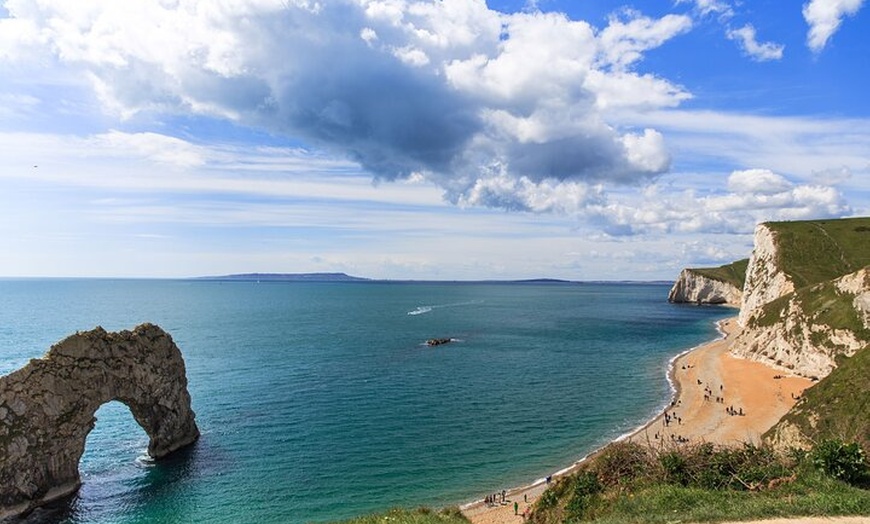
x: 733, y: 273
x: 814, y: 251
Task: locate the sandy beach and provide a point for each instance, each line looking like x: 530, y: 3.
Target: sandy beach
x: 719, y: 398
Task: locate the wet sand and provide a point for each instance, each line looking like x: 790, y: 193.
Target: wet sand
x: 739, y: 384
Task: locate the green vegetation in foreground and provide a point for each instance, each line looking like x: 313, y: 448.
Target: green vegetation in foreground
x: 814, y: 251
x: 630, y: 483
x: 417, y: 516
x: 733, y: 273
x: 838, y: 407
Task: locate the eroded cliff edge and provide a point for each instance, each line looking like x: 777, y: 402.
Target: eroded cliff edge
x: 807, y: 295
x: 699, y: 286
x: 805, y: 298
x: 47, y: 408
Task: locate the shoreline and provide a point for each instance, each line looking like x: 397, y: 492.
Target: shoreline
x: 699, y: 417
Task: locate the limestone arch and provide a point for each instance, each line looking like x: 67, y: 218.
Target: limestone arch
x: 47, y: 408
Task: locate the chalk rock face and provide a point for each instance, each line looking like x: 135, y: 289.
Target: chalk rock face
x: 47, y: 408
x: 765, y: 281
x: 801, y: 340
x: 694, y: 288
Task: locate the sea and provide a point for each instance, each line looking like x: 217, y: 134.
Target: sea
x: 320, y: 401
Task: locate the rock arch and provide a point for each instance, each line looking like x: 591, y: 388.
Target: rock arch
x: 47, y: 408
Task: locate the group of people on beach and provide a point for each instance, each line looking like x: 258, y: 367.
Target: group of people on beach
x: 496, y: 498
x: 708, y: 393
x: 676, y: 439
x: 731, y: 410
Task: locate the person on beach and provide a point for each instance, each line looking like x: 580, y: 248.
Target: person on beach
x: 516, y: 508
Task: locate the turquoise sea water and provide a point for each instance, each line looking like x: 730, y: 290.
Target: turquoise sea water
x: 320, y: 401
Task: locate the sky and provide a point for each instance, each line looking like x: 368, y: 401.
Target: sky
x: 405, y: 139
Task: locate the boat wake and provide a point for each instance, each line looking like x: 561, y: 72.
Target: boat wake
x: 422, y: 310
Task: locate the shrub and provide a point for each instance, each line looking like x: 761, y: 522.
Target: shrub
x: 842, y: 461
x: 585, y: 489
x: 622, y: 462
x: 674, y: 467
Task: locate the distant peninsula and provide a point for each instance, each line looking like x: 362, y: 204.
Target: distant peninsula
x: 288, y: 277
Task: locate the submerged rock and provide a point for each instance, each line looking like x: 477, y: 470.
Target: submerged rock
x: 47, y: 408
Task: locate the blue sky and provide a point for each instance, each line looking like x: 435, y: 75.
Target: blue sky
x: 451, y: 139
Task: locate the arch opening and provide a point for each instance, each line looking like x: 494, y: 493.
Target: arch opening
x: 47, y: 408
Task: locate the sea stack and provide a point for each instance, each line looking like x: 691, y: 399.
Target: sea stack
x: 47, y: 408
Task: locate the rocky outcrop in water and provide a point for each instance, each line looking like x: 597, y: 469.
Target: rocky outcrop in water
x: 47, y: 408
x: 693, y: 288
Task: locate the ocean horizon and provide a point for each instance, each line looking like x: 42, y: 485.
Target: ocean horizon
x: 319, y: 401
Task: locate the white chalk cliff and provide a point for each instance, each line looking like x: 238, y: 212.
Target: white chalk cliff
x: 694, y: 288
x: 765, y: 281
x: 801, y: 341
x: 795, y: 334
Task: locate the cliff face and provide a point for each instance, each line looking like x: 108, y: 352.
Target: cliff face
x: 806, y: 295
x: 694, y: 288
x: 765, y: 280
x: 47, y: 408
x: 805, y: 332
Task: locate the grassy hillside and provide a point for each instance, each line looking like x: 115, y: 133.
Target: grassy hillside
x: 631, y: 483
x: 814, y: 251
x: 838, y: 406
x: 733, y: 273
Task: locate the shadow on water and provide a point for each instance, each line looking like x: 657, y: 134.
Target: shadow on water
x: 160, y: 487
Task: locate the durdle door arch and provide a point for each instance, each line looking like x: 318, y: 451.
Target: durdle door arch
x: 47, y: 408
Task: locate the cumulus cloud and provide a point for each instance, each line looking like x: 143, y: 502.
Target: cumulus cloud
x: 758, y: 51
x: 752, y: 196
x: 824, y: 18
x: 762, y: 181
x: 451, y: 90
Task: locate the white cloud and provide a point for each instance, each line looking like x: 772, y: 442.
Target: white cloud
x: 628, y: 36
x: 707, y: 7
x: 824, y: 18
x: 758, y: 51
x: 444, y: 90
x: 763, y: 181
x: 797, y: 146
x: 753, y: 196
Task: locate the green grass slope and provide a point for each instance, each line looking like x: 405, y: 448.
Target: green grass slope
x: 733, y: 273
x: 814, y: 251
x: 838, y: 407
x: 631, y: 483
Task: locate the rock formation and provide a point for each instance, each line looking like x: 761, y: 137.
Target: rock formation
x: 800, y: 336
x: 765, y: 279
x: 805, y: 298
x: 47, y: 408
x: 694, y: 288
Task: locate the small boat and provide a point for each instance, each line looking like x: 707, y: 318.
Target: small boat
x: 438, y: 341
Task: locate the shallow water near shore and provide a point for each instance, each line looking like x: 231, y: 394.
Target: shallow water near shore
x: 321, y: 401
